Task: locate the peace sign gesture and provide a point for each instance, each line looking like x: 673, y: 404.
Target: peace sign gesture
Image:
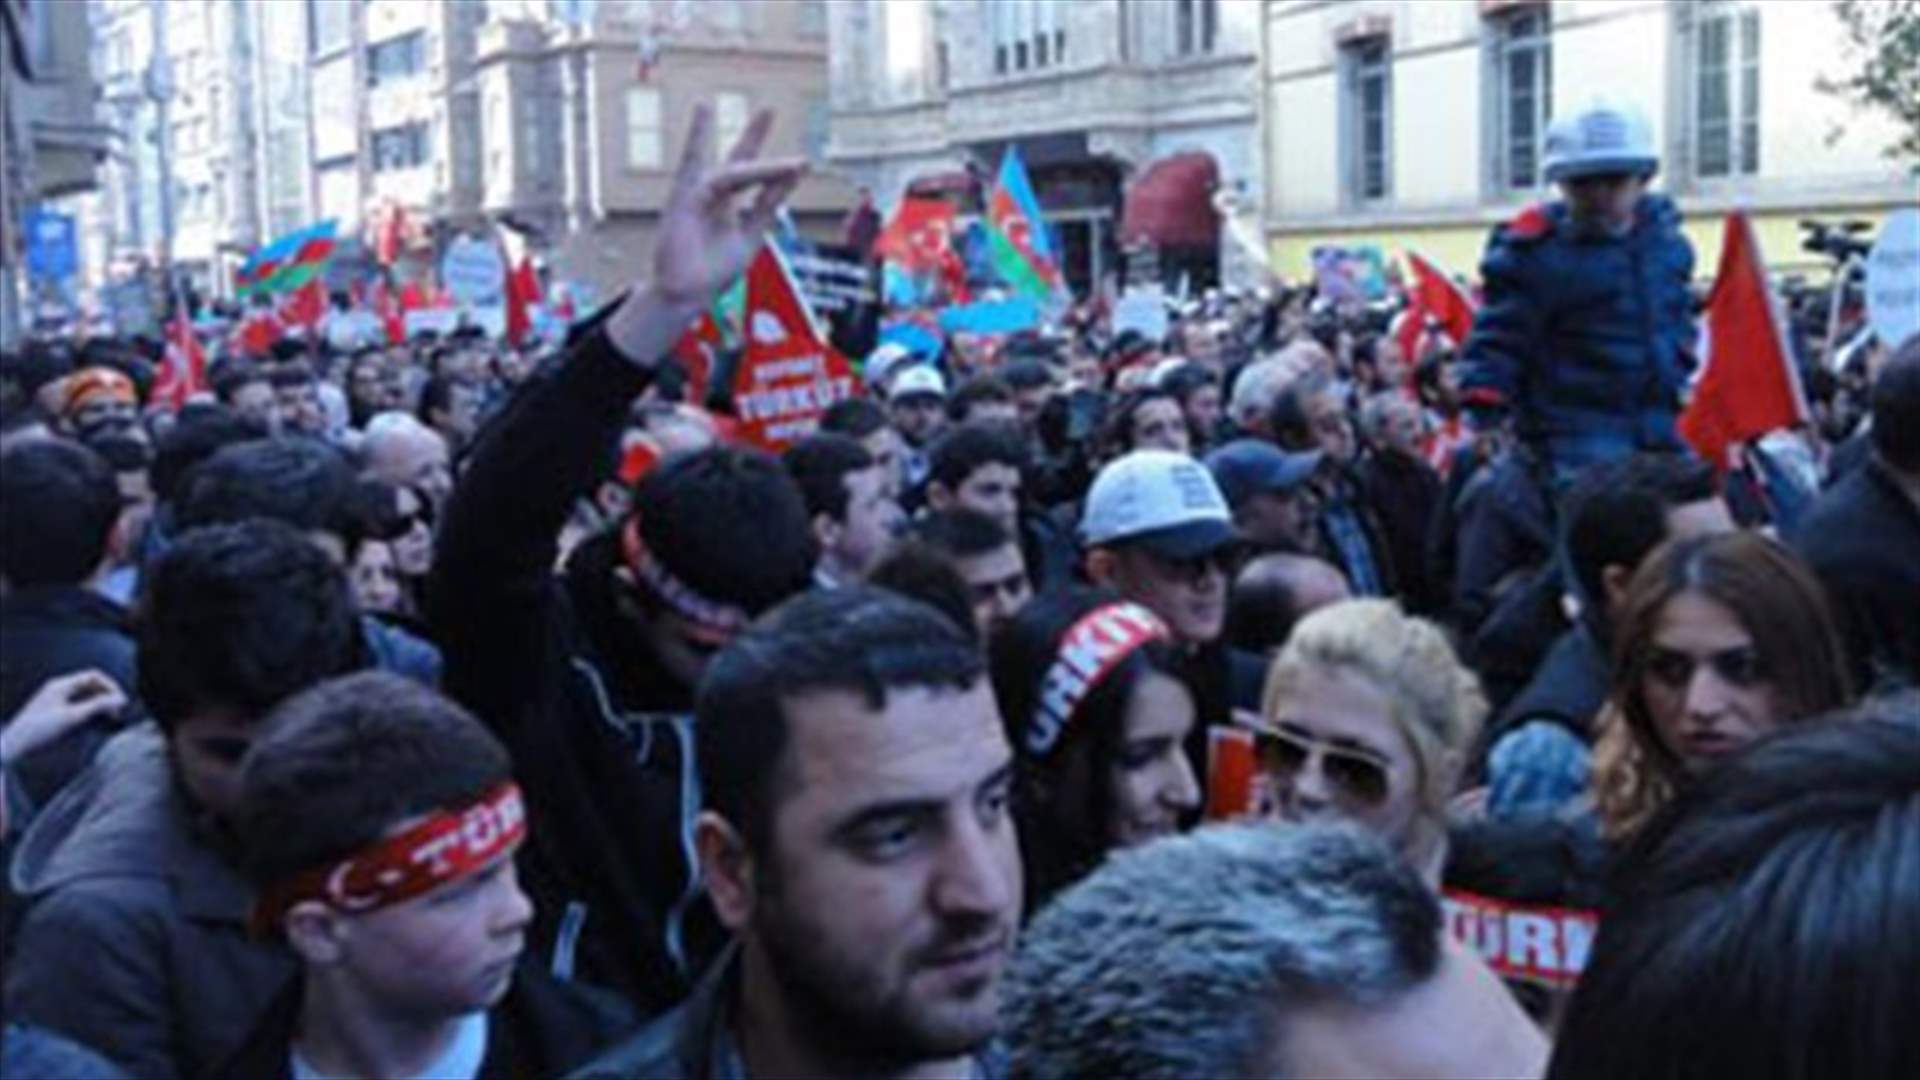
x: 705, y: 240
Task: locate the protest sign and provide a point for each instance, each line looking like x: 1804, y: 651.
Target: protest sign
x: 1143, y: 309
x: 52, y: 248
x: 836, y: 283
x: 473, y: 271
x: 1893, y: 279
x: 788, y: 373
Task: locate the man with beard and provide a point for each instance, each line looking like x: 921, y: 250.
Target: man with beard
x: 856, y: 838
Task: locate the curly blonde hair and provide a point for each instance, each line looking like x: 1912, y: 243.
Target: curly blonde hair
x: 1437, y: 702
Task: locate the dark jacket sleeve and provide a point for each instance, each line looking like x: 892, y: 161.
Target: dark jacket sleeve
x: 87, y: 967
x: 1506, y: 332
x: 492, y: 579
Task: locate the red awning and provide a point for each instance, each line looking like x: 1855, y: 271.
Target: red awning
x: 935, y: 185
x: 1171, y: 205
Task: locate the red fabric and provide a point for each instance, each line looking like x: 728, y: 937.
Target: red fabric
x: 413, y: 297
x: 695, y: 350
x: 305, y: 306
x: 1171, y: 205
x: 1748, y: 385
x: 1436, y: 295
x: 919, y: 236
x: 257, y: 332
x: 1531, y: 223
x: 183, y: 370
x: 391, y: 236
x: 788, y: 375
x: 523, y: 291
x: 953, y: 273
x: 389, y: 310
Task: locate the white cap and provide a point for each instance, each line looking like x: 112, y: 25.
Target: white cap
x: 882, y: 361
x: 1161, y: 500
x: 1602, y: 138
x: 919, y: 379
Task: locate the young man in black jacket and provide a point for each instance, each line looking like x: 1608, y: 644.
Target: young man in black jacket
x: 587, y: 676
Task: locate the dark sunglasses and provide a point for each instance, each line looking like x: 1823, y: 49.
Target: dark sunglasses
x: 1192, y: 570
x: 1737, y: 667
x: 1360, y: 778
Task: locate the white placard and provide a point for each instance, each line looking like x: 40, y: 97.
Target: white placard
x: 1893, y: 279
x: 1142, y: 308
x: 473, y: 271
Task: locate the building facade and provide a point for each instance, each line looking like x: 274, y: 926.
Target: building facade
x: 584, y: 106
x: 1420, y: 123
x: 929, y: 94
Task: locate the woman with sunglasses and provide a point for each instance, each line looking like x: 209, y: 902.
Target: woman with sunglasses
x: 1720, y: 640
x: 1366, y: 717
x: 1096, y: 713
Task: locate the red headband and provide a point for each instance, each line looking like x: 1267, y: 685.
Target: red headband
x: 1088, y: 652
x: 449, y: 845
x: 711, y: 620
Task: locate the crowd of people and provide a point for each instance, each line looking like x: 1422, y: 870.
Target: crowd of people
x: 455, y: 710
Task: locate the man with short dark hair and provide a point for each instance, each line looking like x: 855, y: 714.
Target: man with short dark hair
x: 1249, y: 950
x: 977, y: 466
x: 988, y: 559
x: 418, y: 971
x: 865, y: 420
x: 451, y: 407
x: 59, y: 511
x: 1863, y: 537
x: 135, y: 939
x: 852, y: 515
x: 856, y: 838
x: 983, y: 399
x: 296, y: 400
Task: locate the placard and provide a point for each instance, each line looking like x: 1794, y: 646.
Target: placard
x: 472, y: 271
x: 1893, y: 279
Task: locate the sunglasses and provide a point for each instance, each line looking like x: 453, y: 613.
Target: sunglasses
x: 1737, y: 667
x: 1360, y: 778
x: 1192, y: 571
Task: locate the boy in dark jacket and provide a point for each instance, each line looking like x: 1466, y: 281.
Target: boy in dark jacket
x: 379, y: 823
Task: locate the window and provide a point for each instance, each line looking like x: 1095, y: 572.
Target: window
x: 1523, y: 88
x: 1027, y: 35
x: 812, y: 18
x: 645, y: 144
x: 1196, y: 26
x: 402, y: 147
x: 1726, y: 102
x: 329, y: 25
x: 818, y: 118
x: 399, y: 58
x: 1366, y: 103
x: 730, y: 114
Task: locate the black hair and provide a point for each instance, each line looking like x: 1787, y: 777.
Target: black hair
x: 962, y: 533
x: 965, y: 449
x: 923, y: 572
x: 299, y: 481
x: 1062, y: 800
x: 1025, y: 373
x: 978, y: 390
x: 1288, y: 418
x: 819, y: 464
x: 859, y: 639
x: 291, y: 373
x: 1896, y: 408
x: 1118, y: 438
x: 59, y: 502
x: 201, y: 431
x: 1261, y: 611
x: 1764, y: 924
x: 855, y: 416
x: 231, y: 375
x: 1617, y: 514
x: 1182, y: 382
x: 437, y: 394
x: 730, y: 523
x: 337, y: 765
x: 239, y: 616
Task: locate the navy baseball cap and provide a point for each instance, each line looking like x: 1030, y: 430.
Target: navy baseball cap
x: 1247, y: 467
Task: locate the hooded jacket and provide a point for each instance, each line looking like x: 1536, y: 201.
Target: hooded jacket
x: 135, y: 941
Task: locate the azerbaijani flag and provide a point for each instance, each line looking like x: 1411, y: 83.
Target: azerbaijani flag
x: 1017, y: 234
x: 288, y: 262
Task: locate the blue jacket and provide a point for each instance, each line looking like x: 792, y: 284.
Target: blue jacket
x: 1587, y: 342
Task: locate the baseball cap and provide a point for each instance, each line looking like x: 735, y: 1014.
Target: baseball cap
x: 1246, y: 467
x: 918, y: 379
x: 882, y: 361
x: 1160, y: 500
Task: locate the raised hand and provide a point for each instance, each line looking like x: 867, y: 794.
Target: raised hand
x: 59, y: 706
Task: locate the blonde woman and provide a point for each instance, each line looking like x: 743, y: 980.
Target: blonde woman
x: 1366, y: 717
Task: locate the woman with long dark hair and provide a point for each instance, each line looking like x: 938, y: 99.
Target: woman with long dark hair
x: 1097, y: 715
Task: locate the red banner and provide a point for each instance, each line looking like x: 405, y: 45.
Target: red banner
x: 1749, y: 386
x: 788, y: 374
x: 1520, y: 941
x: 918, y: 236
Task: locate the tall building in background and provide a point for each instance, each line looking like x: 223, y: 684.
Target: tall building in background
x: 1137, y: 119
x: 1421, y: 122
x: 584, y: 103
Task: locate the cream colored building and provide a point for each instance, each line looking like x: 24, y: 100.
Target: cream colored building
x: 929, y: 94
x: 1418, y: 122
x: 584, y: 105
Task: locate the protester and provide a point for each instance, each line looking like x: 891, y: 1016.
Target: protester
x: 858, y: 840
x: 866, y: 421
x: 451, y: 407
x: 1275, y: 506
x: 977, y: 466
x: 983, y: 399
x: 57, y: 540
x: 244, y: 387
x: 1718, y: 641
x: 1402, y: 493
x: 1765, y: 925
x: 1862, y: 539
x: 297, y: 408
x: 916, y: 400
x: 1272, y: 593
x: 588, y: 676
x: 1090, y: 688
x: 1147, y: 419
x: 402, y: 451
x: 1366, y: 717
x: 95, y: 400
x: 920, y: 571
x: 988, y: 560
x: 420, y: 970
x: 851, y: 514
x: 1308, y: 416
x: 1246, y: 950
x: 1197, y: 388
x: 135, y: 938
x: 54, y: 712
x: 1586, y: 337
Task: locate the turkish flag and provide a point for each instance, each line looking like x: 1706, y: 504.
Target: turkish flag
x: 391, y: 235
x: 388, y: 309
x: 305, y: 306
x: 183, y: 370
x: 1436, y: 296
x: 523, y: 291
x: 919, y: 234
x: 788, y: 374
x: 1748, y: 385
x: 257, y: 332
x: 696, y: 351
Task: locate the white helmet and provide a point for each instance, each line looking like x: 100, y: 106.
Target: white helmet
x: 1602, y: 138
